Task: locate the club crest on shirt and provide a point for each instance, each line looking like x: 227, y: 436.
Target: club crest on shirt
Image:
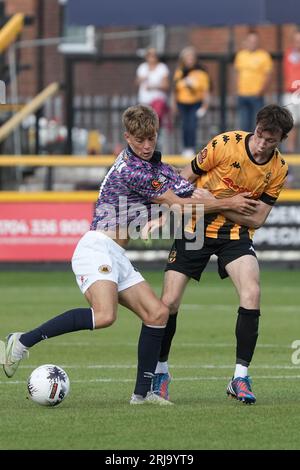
x: 267, y: 177
x: 104, y: 269
x: 158, y: 183
x: 172, y: 256
x: 201, y: 156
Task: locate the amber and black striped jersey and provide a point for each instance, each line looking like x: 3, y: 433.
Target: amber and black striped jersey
x: 226, y: 168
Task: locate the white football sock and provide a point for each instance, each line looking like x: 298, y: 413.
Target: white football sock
x: 162, y: 368
x: 240, y: 371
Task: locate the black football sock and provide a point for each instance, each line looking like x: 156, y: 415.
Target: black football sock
x: 148, y: 353
x: 72, y: 320
x: 246, y: 333
x: 168, y: 337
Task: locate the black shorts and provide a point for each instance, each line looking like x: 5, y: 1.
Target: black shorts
x: 193, y: 262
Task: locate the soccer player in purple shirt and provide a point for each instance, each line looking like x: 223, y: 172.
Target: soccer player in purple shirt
x: 103, y: 272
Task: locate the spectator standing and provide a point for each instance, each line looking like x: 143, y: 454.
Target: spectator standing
x: 291, y: 99
x: 152, y: 78
x: 253, y: 67
x: 191, y: 96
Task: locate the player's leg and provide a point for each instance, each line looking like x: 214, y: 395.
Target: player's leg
x: 244, y: 273
x: 103, y: 299
x: 173, y: 289
x: 98, y: 285
x: 183, y: 263
x: 141, y: 299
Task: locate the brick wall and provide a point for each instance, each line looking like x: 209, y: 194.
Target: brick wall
x: 118, y: 78
x: 27, y: 79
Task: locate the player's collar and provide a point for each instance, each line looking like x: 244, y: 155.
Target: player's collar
x: 156, y: 157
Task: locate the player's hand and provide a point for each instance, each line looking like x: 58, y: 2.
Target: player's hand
x: 151, y: 226
x: 242, y: 204
x: 146, y: 230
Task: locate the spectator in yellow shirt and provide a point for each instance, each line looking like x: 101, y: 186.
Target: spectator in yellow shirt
x: 191, y: 96
x: 253, y: 68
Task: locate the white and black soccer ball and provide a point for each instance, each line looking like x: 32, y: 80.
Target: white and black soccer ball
x: 48, y: 385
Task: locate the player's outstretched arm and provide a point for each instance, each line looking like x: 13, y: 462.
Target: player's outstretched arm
x: 239, y: 203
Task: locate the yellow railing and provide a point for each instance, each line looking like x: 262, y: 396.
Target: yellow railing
x: 27, y: 109
x: 291, y: 195
x: 92, y: 161
x: 85, y: 160
x: 95, y: 160
x: 49, y: 196
x: 10, y: 31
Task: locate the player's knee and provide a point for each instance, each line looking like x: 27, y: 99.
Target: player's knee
x: 172, y: 303
x: 104, y: 319
x: 159, y: 316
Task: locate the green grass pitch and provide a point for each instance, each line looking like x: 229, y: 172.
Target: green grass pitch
x: 101, y: 366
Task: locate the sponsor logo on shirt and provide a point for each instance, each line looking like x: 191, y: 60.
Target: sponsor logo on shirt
x: 158, y: 183
x: 240, y: 189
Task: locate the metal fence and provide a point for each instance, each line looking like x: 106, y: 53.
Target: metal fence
x: 104, y: 113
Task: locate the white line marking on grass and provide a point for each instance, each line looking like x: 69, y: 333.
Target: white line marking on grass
x: 228, y: 345
x: 192, y: 345
x: 179, y: 379
x: 225, y: 307
x: 228, y: 289
x: 172, y: 366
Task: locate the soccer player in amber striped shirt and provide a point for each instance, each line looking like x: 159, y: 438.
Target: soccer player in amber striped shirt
x: 232, y: 163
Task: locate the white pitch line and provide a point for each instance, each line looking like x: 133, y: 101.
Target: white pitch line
x: 226, y: 307
x: 192, y: 345
x: 216, y: 288
x: 181, y: 379
x: 172, y: 366
x: 228, y: 345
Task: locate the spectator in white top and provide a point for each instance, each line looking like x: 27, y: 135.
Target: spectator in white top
x: 152, y: 78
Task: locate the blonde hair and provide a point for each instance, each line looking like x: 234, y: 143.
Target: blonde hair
x: 185, y: 51
x: 151, y: 50
x: 140, y: 121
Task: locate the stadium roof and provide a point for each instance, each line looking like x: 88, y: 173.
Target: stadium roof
x: 180, y: 12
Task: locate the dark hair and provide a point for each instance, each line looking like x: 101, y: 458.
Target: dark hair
x: 274, y: 118
x: 140, y: 121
